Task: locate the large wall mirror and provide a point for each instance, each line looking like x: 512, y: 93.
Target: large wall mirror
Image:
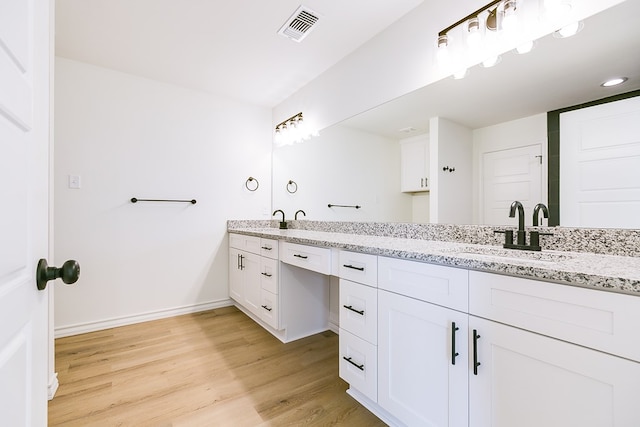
x: 495, y: 119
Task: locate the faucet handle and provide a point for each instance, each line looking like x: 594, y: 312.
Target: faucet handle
x: 508, y: 236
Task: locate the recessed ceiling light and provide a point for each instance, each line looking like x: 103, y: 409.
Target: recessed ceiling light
x: 614, y: 82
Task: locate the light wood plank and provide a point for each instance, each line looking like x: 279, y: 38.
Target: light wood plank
x: 211, y: 368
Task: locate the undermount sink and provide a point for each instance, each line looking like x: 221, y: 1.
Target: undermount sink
x: 510, y: 255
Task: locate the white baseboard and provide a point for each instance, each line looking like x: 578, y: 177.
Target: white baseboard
x: 53, y: 385
x: 65, y: 331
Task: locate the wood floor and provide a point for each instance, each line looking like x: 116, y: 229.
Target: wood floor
x: 215, y: 368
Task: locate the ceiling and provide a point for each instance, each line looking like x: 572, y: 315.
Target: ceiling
x: 229, y: 48
x: 558, y: 73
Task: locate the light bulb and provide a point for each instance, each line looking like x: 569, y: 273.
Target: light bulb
x: 461, y: 74
x: 474, y: 37
x: 442, y: 54
x: 525, y: 47
x: 557, y: 8
x: 569, y: 30
x: 510, y: 18
x: 490, y: 62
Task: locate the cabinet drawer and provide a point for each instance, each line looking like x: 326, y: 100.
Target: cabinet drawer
x: 360, y: 268
x: 269, y: 309
x: 359, y: 310
x: 597, y: 319
x: 309, y: 257
x: 245, y: 243
x: 269, y: 248
x: 269, y: 274
x: 358, y: 364
x: 446, y: 286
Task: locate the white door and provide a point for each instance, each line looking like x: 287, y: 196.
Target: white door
x: 600, y: 165
x: 508, y: 175
x: 24, y: 185
x: 528, y: 380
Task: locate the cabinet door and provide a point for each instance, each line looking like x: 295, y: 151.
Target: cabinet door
x: 529, y: 380
x: 420, y: 381
x: 235, y: 275
x: 414, y: 157
x: 252, y: 282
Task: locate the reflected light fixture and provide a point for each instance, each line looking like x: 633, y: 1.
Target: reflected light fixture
x: 614, y: 81
x: 292, y: 130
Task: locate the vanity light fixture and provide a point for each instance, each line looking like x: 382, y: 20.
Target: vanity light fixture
x: 292, y: 130
x: 614, y: 81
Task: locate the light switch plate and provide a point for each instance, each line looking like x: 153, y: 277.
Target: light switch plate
x: 74, y: 181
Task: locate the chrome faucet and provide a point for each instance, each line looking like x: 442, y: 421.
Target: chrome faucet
x: 536, y: 210
x: 521, y: 236
x: 297, y: 212
x: 283, y: 223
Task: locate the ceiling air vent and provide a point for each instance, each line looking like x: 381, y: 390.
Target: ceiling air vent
x: 299, y: 25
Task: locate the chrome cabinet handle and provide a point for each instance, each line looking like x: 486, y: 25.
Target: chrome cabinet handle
x: 353, y: 267
x: 349, y: 307
x: 348, y: 359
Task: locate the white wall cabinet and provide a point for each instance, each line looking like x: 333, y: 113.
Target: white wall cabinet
x: 414, y: 161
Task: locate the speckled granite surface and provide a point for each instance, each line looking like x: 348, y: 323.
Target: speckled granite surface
x: 466, y: 247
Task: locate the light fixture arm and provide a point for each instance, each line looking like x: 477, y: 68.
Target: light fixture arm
x: 291, y: 119
x: 471, y: 15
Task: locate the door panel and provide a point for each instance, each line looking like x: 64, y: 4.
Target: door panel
x: 24, y: 185
x: 508, y: 175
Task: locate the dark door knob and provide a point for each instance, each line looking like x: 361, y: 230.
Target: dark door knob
x: 69, y: 273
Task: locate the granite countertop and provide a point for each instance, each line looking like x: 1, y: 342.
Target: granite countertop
x: 606, y: 272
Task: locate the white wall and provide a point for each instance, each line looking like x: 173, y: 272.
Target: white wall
x: 450, y: 146
x: 512, y: 134
x: 342, y: 166
x: 131, y: 137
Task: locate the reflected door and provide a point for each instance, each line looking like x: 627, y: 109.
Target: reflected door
x: 508, y: 175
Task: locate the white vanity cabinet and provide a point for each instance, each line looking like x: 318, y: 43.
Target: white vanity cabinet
x: 544, y: 354
x: 422, y: 346
x: 414, y: 159
x: 359, y: 322
x: 253, y: 278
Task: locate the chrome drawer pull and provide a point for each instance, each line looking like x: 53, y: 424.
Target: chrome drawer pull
x: 349, y: 307
x: 348, y: 359
x: 266, y: 274
x: 353, y: 267
x: 300, y: 256
x: 266, y: 308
